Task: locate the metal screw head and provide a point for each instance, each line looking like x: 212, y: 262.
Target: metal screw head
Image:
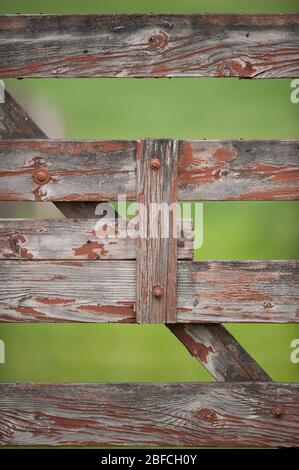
x: 41, y: 176
x: 155, y: 164
x: 278, y: 411
x: 158, y: 292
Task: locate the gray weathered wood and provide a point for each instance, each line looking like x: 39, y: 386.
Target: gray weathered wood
x: 156, y: 249
x: 200, y: 45
x: 92, y: 171
x: 15, y: 123
x: 79, y: 239
x: 219, y: 352
x: 143, y: 414
x: 102, y: 170
x: 105, y: 291
x: 239, y: 170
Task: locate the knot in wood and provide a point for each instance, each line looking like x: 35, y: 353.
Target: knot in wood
x: 41, y: 176
x: 158, y: 40
x: 207, y: 415
x: 278, y: 411
x: 158, y: 292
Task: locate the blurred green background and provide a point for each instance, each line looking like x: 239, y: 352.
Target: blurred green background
x: 180, y: 108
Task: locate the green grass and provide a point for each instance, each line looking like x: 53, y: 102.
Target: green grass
x: 180, y: 108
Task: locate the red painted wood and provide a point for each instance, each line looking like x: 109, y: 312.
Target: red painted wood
x: 136, y: 414
x: 105, y: 291
x: 101, y: 170
x: 199, y: 45
x: 219, y: 352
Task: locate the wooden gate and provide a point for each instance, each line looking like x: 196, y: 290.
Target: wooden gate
x: 60, y: 271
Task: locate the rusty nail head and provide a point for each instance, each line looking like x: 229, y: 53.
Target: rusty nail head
x: 158, y: 292
x: 278, y: 411
x: 41, y: 176
x: 155, y: 164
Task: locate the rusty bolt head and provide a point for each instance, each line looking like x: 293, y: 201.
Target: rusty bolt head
x: 278, y: 411
x: 155, y: 164
x: 158, y: 292
x: 41, y: 176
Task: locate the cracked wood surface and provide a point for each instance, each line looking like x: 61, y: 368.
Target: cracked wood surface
x: 142, y: 45
x: 143, y: 414
x: 105, y: 291
x: 102, y: 170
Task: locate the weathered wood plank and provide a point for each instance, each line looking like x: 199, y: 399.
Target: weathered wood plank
x: 99, y: 170
x: 105, y: 291
x: 224, y: 291
x: 46, y: 239
x: 219, y: 352
x: 130, y: 414
x: 201, y: 45
x: 156, y: 250
x: 15, y: 123
x: 239, y: 170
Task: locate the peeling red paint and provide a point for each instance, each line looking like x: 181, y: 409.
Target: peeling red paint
x: 92, y: 250
x: 109, y: 309
x: 26, y: 311
x: 54, y: 301
x: 197, y: 349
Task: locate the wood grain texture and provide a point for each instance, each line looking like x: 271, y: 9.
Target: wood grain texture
x: 200, y: 45
x: 101, y: 170
x: 239, y: 170
x: 46, y: 239
x: 105, y: 291
x: 15, y: 123
x: 142, y: 414
x: 100, y: 167
x: 219, y: 352
x: 156, y: 249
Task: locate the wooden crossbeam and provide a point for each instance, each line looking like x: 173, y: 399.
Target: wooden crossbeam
x: 209, y: 291
x: 101, y: 170
x: 200, y: 45
x: 136, y: 414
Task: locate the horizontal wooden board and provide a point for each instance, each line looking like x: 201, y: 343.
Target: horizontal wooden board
x: 102, y: 170
x: 143, y: 414
x: 200, y: 45
x: 46, y: 239
x: 105, y: 291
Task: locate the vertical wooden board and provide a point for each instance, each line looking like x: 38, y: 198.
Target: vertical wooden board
x: 157, y: 162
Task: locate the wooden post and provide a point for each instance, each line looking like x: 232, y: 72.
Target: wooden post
x: 157, y: 162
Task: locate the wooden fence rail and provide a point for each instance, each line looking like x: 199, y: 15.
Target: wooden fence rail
x: 234, y: 45
x: 179, y: 414
x: 105, y: 291
x: 101, y: 170
x: 65, y: 271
